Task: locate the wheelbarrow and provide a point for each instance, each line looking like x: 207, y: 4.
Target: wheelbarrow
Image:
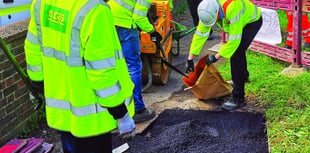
x: 179, y: 32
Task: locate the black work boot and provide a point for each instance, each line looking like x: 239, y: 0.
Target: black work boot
x: 234, y: 103
x: 143, y: 115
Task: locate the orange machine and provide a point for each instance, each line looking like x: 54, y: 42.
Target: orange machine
x: 155, y: 71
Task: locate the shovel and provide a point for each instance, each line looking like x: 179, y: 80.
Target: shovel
x: 164, y: 59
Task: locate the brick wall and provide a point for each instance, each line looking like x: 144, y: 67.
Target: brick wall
x: 15, y: 106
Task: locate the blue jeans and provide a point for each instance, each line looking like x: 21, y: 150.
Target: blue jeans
x: 130, y: 42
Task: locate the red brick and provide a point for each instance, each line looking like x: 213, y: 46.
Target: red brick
x: 20, y: 57
x: 10, y: 98
x: 21, y: 92
x: 9, y: 81
x: 3, y: 102
x: 2, y: 85
x: 9, y: 90
x: 21, y: 84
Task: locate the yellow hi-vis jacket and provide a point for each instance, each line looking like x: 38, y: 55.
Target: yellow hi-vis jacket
x: 73, y: 46
x: 238, y: 13
x: 131, y: 13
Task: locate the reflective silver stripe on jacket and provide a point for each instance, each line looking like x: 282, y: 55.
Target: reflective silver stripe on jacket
x: 291, y: 13
x: 236, y: 18
x: 119, y: 54
x: 140, y: 12
x: 105, y: 63
x: 306, y: 31
x: 34, y: 68
x: 289, y: 38
x: 100, y: 64
x: 59, y: 55
x: 234, y: 37
x: 79, y: 111
x: 75, y: 34
x: 255, y: 13
x: 110, y: 91
x: 125, y: 5
x: 206, y: 34
x: 37, y: 8
x: 132, y: 8
x: 32, y: 38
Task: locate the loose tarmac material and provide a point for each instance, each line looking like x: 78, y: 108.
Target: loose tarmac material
x: 194, y: 131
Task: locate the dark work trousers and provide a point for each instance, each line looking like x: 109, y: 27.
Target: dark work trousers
x: 96, y: 144
x: 193, y: 5
x: 238, y: 61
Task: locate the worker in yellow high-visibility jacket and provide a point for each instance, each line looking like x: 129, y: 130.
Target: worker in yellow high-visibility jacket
x: 241, y: 19
x: 73, y: 48
x: 128, y: 16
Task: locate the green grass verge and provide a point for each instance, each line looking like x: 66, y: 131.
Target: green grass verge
x: 286, y: 100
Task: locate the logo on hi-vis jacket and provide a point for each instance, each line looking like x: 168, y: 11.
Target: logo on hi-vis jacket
x: 55, y: 18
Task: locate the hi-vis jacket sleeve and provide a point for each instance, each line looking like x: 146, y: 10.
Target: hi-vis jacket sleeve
x: 234, y: 29
x: 102, y: 47
x: 33, y: 50
x: 140, y: 15
x: 199, y: 39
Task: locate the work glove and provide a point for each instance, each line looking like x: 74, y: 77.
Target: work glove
x: 211, y: 59
x: 126, y: 127
x: 189, y: 66
x: 156, y: 37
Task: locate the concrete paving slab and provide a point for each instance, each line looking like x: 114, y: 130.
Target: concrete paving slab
x: 292, y: 71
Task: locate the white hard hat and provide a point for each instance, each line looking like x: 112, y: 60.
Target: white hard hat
x: 208, y: 11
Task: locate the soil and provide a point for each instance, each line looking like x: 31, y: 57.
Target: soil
x: 183, y: 127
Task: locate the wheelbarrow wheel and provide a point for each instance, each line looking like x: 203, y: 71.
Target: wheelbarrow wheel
x: 146, y: 72
x: 175, y: 51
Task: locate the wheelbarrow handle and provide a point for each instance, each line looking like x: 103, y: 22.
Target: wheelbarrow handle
x: 187, y: 32
x: 164, y: 59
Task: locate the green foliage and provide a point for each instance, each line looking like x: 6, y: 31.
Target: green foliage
x: 180, y: 9
x: 33, y: 123
x: 287, y: 101
x: 283, y: 23
x: 282, y: 19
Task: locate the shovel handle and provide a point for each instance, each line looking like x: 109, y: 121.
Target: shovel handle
x: 22, y: 73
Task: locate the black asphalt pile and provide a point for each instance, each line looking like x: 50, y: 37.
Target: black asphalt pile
x: 192, y: 131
